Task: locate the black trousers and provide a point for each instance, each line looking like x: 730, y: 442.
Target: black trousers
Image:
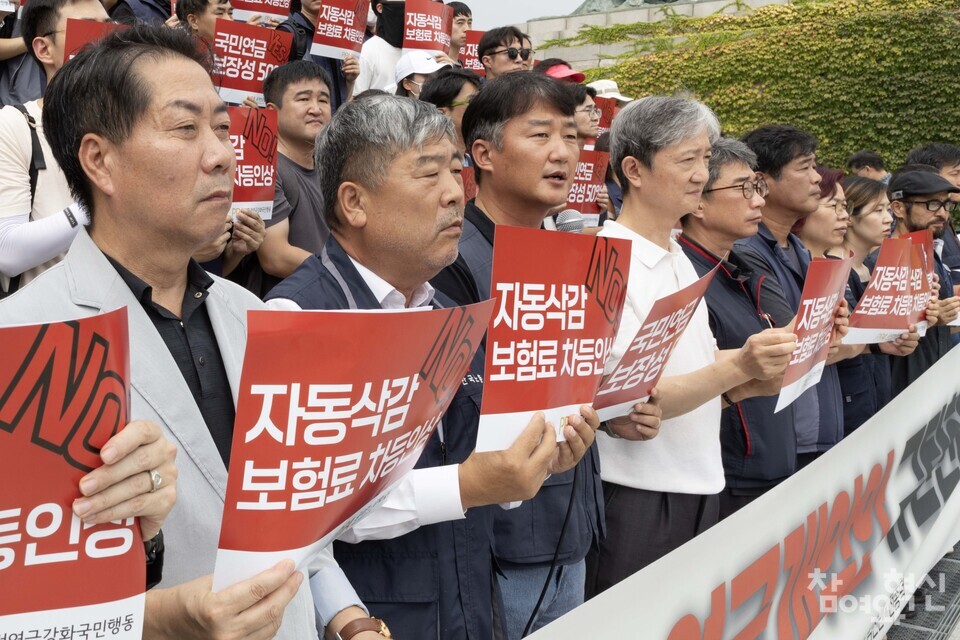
x: 642, y: 527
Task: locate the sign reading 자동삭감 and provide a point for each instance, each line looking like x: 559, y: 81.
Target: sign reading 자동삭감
x: 557, y: 311
x: 245, y: 55
x: 341, y: 26
x: 253, y: 133
x: 428, y: 25
x: 641, y: 366
x: 63, y: 394
x: 321, y: 434
x: 814, y: 325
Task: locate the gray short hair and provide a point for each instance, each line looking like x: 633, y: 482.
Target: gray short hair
x: 647, y: 125
x: 728, y: 151
x: 366, y: 135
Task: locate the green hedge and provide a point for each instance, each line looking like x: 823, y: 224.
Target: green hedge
x: 880, y: 74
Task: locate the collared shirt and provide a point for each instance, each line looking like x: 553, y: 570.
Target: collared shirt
x: 388, y: 296
x: 193, y: 345
x: 685, y: 456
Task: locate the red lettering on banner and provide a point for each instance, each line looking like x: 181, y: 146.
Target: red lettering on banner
x: 760, y: 576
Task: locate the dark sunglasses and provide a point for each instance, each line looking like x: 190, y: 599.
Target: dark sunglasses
x: 513, y: 52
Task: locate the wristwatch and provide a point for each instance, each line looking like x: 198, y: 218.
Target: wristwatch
x: 360, y: 625
x: 153, y: 551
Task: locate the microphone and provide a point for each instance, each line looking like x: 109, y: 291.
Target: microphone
x: 570, y: 220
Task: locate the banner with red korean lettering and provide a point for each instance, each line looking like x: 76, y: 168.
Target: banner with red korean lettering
x: 243, y: 10
x: 639, y: 370
x: 470, y: 53
x: 822, y: 292
x: 334, y: 408
x: 80, y: 33
x: 245, y: 56
x: 428, y: 25
x: 63, y: 394
x: 589, y: 179
x: 896, y: 297
x: 558, y: 297
x: 341, y: 26
x: 833, y: 553
x: 253, y: 133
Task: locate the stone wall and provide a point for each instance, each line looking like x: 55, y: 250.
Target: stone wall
x: 596, y: 55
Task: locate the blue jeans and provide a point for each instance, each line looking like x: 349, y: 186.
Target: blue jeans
x: 520, y: 586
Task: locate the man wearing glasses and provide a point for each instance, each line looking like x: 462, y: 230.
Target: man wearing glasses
x: 38, y: 216
x: 921, y: 200
x: 501, y: 51
x: 759, y: 449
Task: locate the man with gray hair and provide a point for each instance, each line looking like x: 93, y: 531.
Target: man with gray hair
x: 393, y: 199
x: 660, y: 149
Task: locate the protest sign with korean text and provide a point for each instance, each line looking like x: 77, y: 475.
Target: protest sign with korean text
x: 428, y: 25
x: 63, y: 394
x: 321, y: 434
x: 641, y: 366
x: 588, y: 181
x: 80, y: 33
x: 245, y: 56
x: 341, y: 26
x: 814, y: 325
x: 253, y: 133
x: 890, y: 303
x: 470, y: 53
x: 559, y: 297
x: 924, y: 257
x: 608, y: 107
x: 243, y: 10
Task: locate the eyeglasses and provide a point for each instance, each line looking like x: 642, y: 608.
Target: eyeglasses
x: 935, y: 205
x: 593, y: 112
x: 837, y: 206
x: 748, y: 188
x: 513, y: 52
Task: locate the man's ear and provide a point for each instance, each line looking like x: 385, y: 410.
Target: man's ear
x: 352, y: 199
x: 482, y: 155
x: 698, y: 213
x: 632, y: 170
x: 98, y: 158
x: 43, y: 51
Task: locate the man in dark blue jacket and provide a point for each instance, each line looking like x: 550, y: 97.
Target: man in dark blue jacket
x: 389, y: 172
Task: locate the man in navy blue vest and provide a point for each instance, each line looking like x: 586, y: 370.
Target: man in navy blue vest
x: 389, y: 172
x: 786, y: 161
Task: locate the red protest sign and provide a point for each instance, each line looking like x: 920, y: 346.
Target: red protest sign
x: 470, y: 188
x: 341, y: 25
x: 428, y: 25
x: 469, y: 54
x: 245, y: 55
x: 63, y: 394
x: 924, y: 240
x: 243, y: 10
x: 822, y: 292
x: 640, y: 368
x: 321, y: 433
x: 557, y: 312
x: 253, y: 133
x: 889, y: 305
x: 589, y: 179
x: 80, y: 33
x: 608, y: 107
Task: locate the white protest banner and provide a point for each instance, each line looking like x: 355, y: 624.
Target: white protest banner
x: 832, y: 553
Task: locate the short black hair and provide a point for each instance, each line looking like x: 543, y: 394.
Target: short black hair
x: 579, y: 92
x: 777, y: 145
x: 865, y: 158
x: 40, y: 17
x: 460, y: 9
x: 496, y: 38
x: 190, y: 7
x: 283, y: 76
x: 100, y: 91
x: 544, y: 65
x: 935, y: 155
x: 444, y: 87
x: 507, y: 97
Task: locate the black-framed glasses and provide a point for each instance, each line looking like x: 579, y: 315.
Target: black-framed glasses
x: 748, y: 188
x: 513, y: 52
x: 935, y: 205
x: 461, y: 103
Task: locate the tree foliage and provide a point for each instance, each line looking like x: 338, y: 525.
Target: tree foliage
x: 875, y: 74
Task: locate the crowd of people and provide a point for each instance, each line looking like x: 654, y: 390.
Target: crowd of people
x: 116, y: 174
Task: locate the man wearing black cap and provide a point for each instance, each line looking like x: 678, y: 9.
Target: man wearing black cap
x: 921, y: 200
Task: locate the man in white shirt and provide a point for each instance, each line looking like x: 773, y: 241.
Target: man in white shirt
x: 663, y: 492
x: 389, y: 170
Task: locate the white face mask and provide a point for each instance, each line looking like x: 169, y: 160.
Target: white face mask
x: 371, y: 19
